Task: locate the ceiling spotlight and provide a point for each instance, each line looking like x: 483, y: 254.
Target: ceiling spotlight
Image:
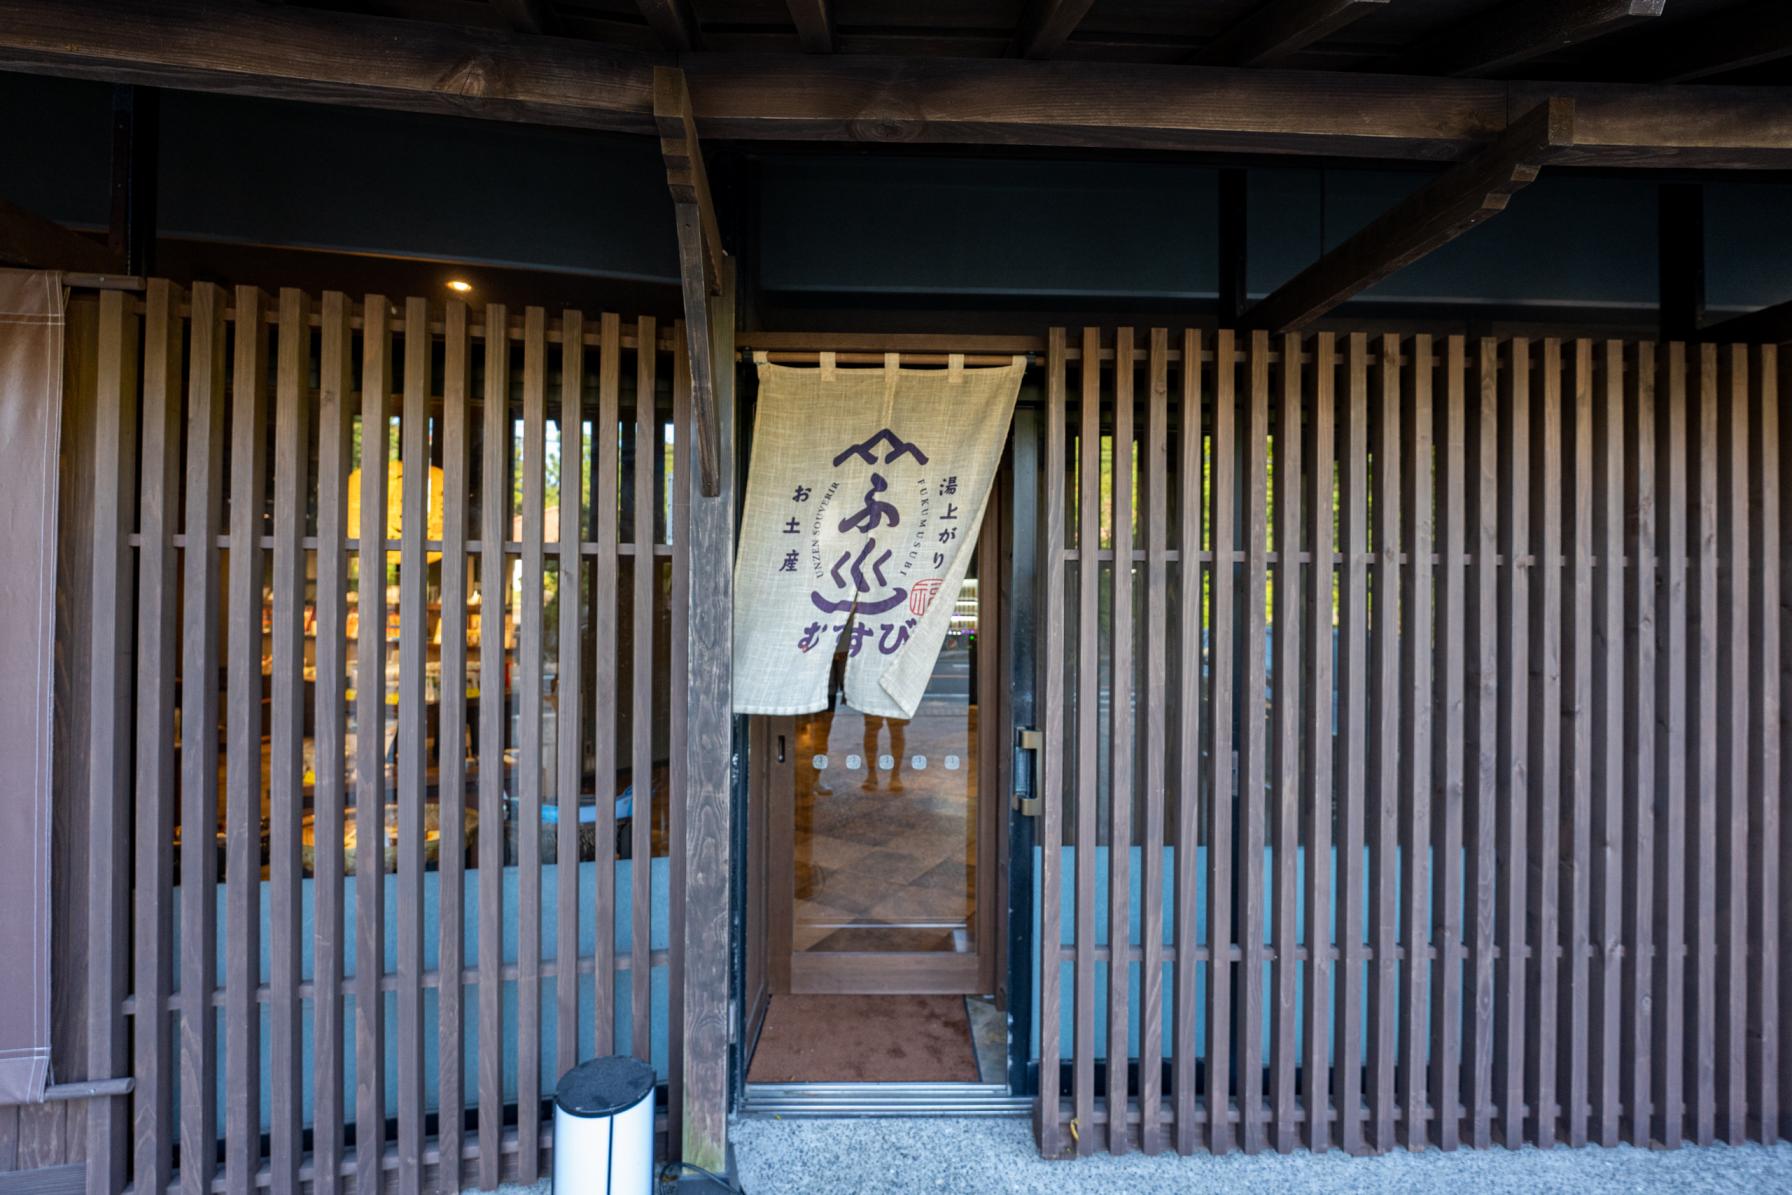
x: 460, y: 286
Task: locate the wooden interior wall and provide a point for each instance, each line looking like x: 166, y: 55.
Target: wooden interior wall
x: 1470, y: 651
x: 230, y: 418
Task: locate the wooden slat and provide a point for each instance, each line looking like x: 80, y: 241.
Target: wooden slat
x: 153, y: 941
x: 1120, y: 739
x: 1088, y: 696
x: 673, y: 23
x: 1765, y: 749
x: 494, y: 589
x: 370, y: 746
x: 529, y: 747
x: 1047, y: 24
x: 1189, y: 1136
x: 1606, y: 599
x: 814, y: 24
x: 1220, y: 790
x: 1416, y: 647
x: 1733, y: 701
x: 1155, y: 515
x: 242, y: 796
x: 1668, y: 1006
x: 335, y: 413
x: 1253, y: 754
x: 1379, y: 1055
x: 1318, y: 780
x: 1702, y: 791
x: 206, y: 402
x: 1048, y: 1120
x: 1506, y: 35
x: 286, y: 763
x: 606, y: 531
x: 413, y: 435
x: 1577, y: 750
x: 1269, y: 33
x: 1543, y: 699
x: 1513, y: 729
x: 1736, y: 37
x: 1636, y: 1032
x: 1481, y: 740
x: 1353, y: 734
x: 676, y: 490
x: 108, y: 744
x: 1289, y: 642
x: 568, y: 683
x: 646, y: 575
x: 1445, y: 916
x: 451, y: 748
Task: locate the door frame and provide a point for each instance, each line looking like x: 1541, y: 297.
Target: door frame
x: 886, y: 973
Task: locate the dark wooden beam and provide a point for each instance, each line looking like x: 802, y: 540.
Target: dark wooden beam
x: 1048, y: 24
x: 1726, y: 41
x: 29, y: 240
x: 673, y: 22
x: 1769, y: 325
x: 701, y: 262
x: 299, y: 53
x: 1435, y: 215
x: 136, y: 121
x: 1680, y: 259
x: 528, y: 16
x: 292, y: 52
x: 1521, y: 30
x: 1234, y: 231
x: 814, y: 25
x: 1276, y: 29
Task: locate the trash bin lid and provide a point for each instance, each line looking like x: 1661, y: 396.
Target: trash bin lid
x: 603, y: 1086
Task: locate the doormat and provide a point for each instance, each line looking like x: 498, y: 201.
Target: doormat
x: 865, y: 1039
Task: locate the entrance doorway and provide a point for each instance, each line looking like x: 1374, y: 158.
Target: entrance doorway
x: 882, y: 830
x: 876, y: 840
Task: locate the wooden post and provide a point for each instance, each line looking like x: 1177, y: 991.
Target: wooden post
x: 709, y: 757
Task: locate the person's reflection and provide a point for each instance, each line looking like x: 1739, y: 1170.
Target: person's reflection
x: 898, y: 733
x: 824, y: 721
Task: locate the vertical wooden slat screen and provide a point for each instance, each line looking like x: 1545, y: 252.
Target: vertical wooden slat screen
x: 243, y: 807
x: 1473, y: 733
x: 286, y: 738
x: 308, y: 770
x: 206, y: 402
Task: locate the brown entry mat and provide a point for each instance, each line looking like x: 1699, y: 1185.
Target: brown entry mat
x: 865, y: 1039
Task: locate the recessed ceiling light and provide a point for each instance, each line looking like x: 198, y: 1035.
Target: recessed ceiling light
x: 460, y: 286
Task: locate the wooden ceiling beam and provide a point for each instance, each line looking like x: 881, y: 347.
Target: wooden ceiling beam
x: 1769, y: 325
x: 1465, y: 196
x: 701, y: 263
x: 814, y: 25
x: 1275, y: 30
x: 298, y: 53
x: 1727, y: 41
x: 673, y: 23
x: 29, y: 240
x: 1516, y: 32
x: 1048, y: 24
x: 528, y: 16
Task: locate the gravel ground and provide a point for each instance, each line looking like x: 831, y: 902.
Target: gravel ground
x: 791, y: 1157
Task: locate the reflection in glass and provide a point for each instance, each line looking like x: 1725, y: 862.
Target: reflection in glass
x: 886, y: 828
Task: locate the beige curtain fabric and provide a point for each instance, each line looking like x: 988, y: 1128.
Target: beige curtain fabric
x: 31, y: 332
x: 865, y: 495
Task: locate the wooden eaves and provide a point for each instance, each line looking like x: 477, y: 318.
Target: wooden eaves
x: 282, y: 51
